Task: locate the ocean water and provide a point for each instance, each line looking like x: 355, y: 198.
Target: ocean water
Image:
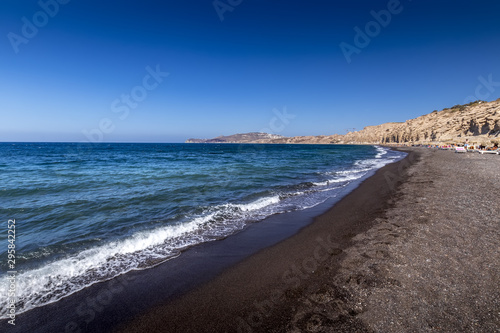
x: 88, y: 213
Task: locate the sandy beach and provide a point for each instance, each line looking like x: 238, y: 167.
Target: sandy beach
x: 415, y: 248
x: 250, y: 167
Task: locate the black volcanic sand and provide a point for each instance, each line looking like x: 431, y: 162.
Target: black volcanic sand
x: 415, y: 248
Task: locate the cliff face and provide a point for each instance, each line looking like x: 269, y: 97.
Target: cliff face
x: 478, y: 122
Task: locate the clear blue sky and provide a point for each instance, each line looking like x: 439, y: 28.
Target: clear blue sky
x: 72, y: 75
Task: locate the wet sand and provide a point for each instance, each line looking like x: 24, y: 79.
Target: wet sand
x: 104, y: 306
x: 415, y: 248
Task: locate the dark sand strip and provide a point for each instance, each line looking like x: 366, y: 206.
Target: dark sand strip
x: 432, y: 263
x: 104, y: 306
x: 265, y: 292
x: 415, y: 248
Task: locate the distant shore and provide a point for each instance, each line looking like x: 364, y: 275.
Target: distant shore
x: 474, y: 122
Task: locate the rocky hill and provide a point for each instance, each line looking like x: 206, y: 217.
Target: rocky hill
x: 478, y: 121
x: 254, y: 137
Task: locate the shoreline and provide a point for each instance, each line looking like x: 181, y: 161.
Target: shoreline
x: 414, y: 248
x: 102, y: 306
x: 257, y: 293
x: 403, y: 251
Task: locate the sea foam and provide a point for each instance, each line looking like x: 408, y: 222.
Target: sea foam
x: 67, y: 273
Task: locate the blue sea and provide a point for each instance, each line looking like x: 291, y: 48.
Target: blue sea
x: 89, y: 212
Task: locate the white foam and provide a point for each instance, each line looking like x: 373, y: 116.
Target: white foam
x: 55, y: 279
x: 346, y: 178
x: 371, y: 164
x: 349, y: 172
x: 258, y: 204
x: 63, y: 277
x: 381, y: 151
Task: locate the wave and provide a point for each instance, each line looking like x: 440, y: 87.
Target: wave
x: 144, y: 249
x: 65, y: 276
x: 342, y: 179
x: 258, y: 204
x: 381, y: 151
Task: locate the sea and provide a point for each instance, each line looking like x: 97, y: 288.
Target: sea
x: 86, y: 213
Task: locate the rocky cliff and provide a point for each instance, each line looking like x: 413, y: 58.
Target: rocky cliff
x: 478, y: 121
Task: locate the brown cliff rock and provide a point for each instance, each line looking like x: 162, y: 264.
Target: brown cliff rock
x: 478, y: 121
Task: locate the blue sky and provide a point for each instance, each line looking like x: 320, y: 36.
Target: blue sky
x: 66, y: 70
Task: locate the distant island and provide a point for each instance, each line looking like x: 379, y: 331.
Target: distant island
x: 253, y: 137
x: 478, y: 121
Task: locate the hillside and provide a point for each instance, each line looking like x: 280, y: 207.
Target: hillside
x: 239, y: 138
x: 478, y: 121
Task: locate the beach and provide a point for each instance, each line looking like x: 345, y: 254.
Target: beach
x: 250, y: 166
x: 414, y: 248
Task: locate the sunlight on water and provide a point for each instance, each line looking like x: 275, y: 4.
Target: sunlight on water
x: 88, y: 213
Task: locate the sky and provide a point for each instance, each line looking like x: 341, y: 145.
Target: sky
x: 166, y: 71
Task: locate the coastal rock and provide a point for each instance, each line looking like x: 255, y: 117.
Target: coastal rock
x: 254, y: 137
x: 479, y: 122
